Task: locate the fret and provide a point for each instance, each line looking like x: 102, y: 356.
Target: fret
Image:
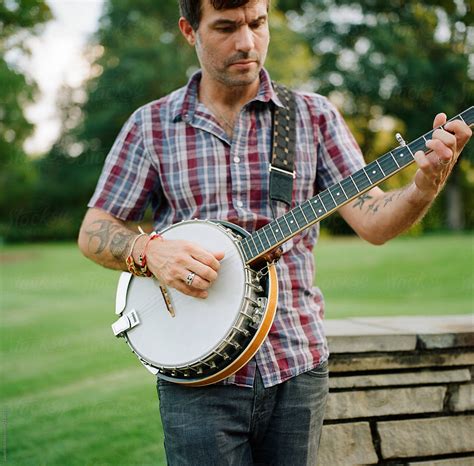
x: 338, y: 193
x: 287, y: 224
x: 409, y: 150
x: 460, y: 116
x: 254, y: 243
x: 295, y: 221
x: 402, y: 156
x: 302, y: 211
x: 332, y: 197
x: 429, y: 135
x: 252, y: 246
x: 343, y: 190
x: 468, y: 116
x: 381, y: 169
x: 326, y: 200
x: 300, y: 217
x: 283, y: 229
x: 269, y: 226
x: 417, y: 145
x: 355, y: 184
x: 277, y: 231
x: 393, y: 157
x: 309, y: 212
x: 361, y: 179
x: 246, y: 248
x: 257, y: 235
x: 349, y: 187
x: 388, y: 163
x: 310, y: 204
x: 319, y: 205
x: 266, y: 237
x: 373, y: 173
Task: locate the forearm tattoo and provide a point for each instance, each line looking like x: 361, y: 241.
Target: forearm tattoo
x: 377, y: 204
x: 361, y: 200
x: 103, y: 234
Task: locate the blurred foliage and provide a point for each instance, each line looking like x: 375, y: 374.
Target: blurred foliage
x: 19, y: 20
x: 398, y: 59
x: 138, y: 55
x: 388, y: 65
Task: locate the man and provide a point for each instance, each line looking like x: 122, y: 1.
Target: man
x: 203, y: 152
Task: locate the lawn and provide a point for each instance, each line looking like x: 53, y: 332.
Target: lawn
x: 73, y: 395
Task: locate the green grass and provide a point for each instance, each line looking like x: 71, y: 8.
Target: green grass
x: 431, y: 275
x: 73, y: 395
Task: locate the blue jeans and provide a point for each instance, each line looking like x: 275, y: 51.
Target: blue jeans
x: 230, y: 425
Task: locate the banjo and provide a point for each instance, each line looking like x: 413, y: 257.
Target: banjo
x: 198, y: 342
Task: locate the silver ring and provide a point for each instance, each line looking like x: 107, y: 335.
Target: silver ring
x: 190, y: 278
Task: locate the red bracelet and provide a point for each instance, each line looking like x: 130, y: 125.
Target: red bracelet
x: 142, y: 256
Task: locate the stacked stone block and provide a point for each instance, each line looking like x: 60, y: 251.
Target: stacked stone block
x: 401, y: 392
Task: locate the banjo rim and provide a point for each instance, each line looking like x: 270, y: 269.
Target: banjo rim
x: 254, y: 344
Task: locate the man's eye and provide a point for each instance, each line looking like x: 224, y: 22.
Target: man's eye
x: 257, y: 24
x: 226, y: 30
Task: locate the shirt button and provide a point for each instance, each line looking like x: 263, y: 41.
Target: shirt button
x: 236, y: 159
x: 239, y: 203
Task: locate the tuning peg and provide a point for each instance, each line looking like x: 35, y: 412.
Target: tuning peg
x: 400, y: 140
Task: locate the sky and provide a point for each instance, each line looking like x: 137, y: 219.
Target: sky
x: 56, y: 60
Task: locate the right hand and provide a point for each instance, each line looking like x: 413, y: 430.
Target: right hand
x: 171, y: 261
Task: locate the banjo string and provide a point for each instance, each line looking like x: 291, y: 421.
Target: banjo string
x: 230, y: 258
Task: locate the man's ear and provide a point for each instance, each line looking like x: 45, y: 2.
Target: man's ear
x: 188, y: 32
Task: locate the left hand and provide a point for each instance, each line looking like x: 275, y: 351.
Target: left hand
x: 446, y: 145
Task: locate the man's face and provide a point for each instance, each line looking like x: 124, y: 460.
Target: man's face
x: 231, y: 45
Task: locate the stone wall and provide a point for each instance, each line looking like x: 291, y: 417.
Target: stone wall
x: 401, y: 392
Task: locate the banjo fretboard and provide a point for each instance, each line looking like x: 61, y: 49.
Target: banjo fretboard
x: 328, y: 201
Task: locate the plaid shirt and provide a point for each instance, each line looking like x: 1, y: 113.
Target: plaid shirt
x: 173, y: 154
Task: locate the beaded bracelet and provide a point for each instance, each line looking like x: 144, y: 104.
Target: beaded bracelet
x: 131, y: 266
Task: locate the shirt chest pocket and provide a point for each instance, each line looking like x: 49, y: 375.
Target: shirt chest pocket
x: 193, y: 178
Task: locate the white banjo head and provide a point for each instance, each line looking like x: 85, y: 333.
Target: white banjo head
x: 199, y: 325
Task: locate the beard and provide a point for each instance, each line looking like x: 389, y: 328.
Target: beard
x: 224, y: 71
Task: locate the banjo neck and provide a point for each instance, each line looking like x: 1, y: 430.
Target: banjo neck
x: 303, y: 216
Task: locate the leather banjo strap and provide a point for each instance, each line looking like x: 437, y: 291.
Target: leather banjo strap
x: 282, y: 170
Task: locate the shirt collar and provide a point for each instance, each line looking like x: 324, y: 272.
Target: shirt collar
x: 186, y: 105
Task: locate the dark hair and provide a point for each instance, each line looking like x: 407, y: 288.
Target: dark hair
x: 191, y: 9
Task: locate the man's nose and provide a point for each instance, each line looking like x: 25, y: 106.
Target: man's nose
x: 245, y: 42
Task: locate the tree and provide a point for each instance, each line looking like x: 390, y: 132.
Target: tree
x: 405, y: 60
x: 138, y: 55
x: 19, y: 20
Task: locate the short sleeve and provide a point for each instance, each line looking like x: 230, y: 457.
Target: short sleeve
x: 339, y: 155
x: 128, y: 181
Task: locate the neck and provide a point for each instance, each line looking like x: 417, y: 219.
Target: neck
x: 224, y: 95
